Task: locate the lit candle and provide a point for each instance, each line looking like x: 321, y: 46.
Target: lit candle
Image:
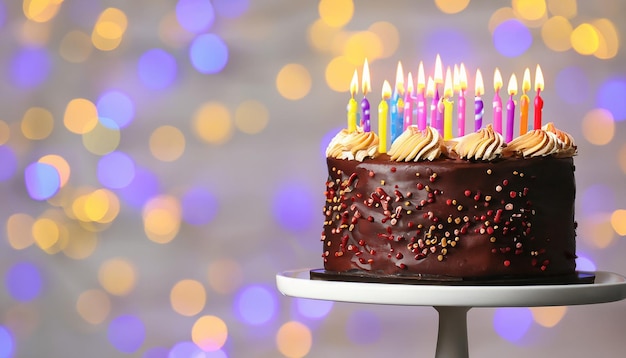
x: 447, y: 106
x: 397, y: 105
x: 479, y: 108
x: 438, y: 78
x: 352, y: 105
x: 510, y: 108
x: 408, y: 102
x: 365, y: 104
x: 421, y: 99
x: 462, y: 79
x: 430, y: 92
x: 497, y: 102
x: 524, y: 102
x: 383, y: 113
x: 538, y: 100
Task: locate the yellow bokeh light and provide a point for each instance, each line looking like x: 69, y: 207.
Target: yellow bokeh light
x: 251, y: 117
x: 339, y: 73
x: 37, y: 123
x: 499, y: 16
x: 597, y: 230
x: 293, y: 81
x: 35, y: 33
x: 102, y: 139
x: 212, y: 123
x: 565, y: 8
x: 548, y: 316
x: 171, y: 33
x: 75, y: 47
x: 209, y: 333
x: 530, y: 9
x: 19, y: 231
x: 598, y: 126
x: 81, y: 244
x: 94, y: 306
x: 608, y: 39
x: 96, y: 205
x: 556, y: 33
x: 585, y: 39
x: 109, y: 29
x: 117, y: 276
x: 320, y: 35
x: 162, y: 218
x: 618, y: 221
x: 5, y: 132
x: 167, y: 143
x: 41, y: 10
x: 225, y: 283
x: 336, y: 13
x: 46, y: 233
x: 362, y: 45
x: 451, y: 6
x: 81, y: 116
x: 622, y: 158
x: 389, y: 32
x: 61, y: 165
x: 188, y: 297
x: 294, y: 339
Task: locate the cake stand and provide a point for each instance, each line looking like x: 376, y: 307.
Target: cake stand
x: 452, y: 302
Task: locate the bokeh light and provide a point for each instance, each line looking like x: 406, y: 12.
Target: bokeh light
x: 188, y: 297
x: 618, y: 221
x: 512, y: 38
x: 9, y: 163
x: 199, y: 206
x: 116, y: 106
x: 47, y: 234
x: 336, y: 13
x: 566, y: 8
x: 109, y: 29
x: 314, y: 309
x: 294, y: 339
x: 231, y: 8
x: 5, y: 132
x: 294, y: 207
x: 556, y: 33
x: 221, y: 282
x: 185, y: 349
x: 609, y: 97
x: 256, y: 304
x: 157, y: 69
x: 116, y: 170
x: 548, y: 316
x: 608, y: 39
x: 585, y: 39
x: 75, y: 47
x: 42, y: 180
x: 7, y: 343
x: 37, y: 123
x: 103, y: 138
x: 451, y: 6
x: 339, y: 73
x: 167, y: 143
x: 363, y: 45
x: 41, y: 10
x: 598, y: 126
x: 597, y: 198
x: 118, y: 276
x: 529, y: 9
x: 596, y: 230
x: 60, y: 164
x: 195, y: 16
x: 81, y: 116
x: 18, y: 230
x: 293, y: 81
x: 389, y: 32
x: 584, y: 263
x: 363, y: 327
x: 162, y: 218
x: 512, y: 323
x: 93, y: 306
x: 320, y: 35
x: 209, y: 333
x: 212, y: 123
x: 208, y: 54
x: 30, y: 67
x: 126, y: 333
x: 144, y: 186
x: 23, y: 281
x: 251, y: 117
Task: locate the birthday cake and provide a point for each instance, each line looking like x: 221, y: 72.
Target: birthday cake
x: 473, y: 207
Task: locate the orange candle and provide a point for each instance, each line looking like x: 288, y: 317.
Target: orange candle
x: 524, y: 102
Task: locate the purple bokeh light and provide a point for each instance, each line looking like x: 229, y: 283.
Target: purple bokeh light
x: 30, y: 67
x: 7, y: 343
x: 583, y: 263
x: 195, y: 16
x: 126, y: 333
x: 451, y: 44
x: 116, y: 106
x: 256, y: 304
x: 610, y: 96
x: 199, y: 206
x: 512, y: 323
x: 156, y: 352
x: 23, y: 282
x: 363, y: 327
x: 294, y: 207
x: 597, y: 199
x: 313, y: 309
x: 144, y: 186
x: 512, y: 38
x: 42, y: 181
x: 116, y: 170
x: 157, y: 69
x: 9, y: 163
x: 231, y: 8
x: 572, y: 85
x: 208, y: 54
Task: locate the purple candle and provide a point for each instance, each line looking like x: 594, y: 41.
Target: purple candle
x: 497, y: 102
x: 439, y: 122
x: 510, y: 108
x: 479, y: 108
x: 430, y: 92
x: 365, y: 104
x: 462, y: 79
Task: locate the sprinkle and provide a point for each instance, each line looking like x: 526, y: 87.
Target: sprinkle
x: 512, y: 194
x: 467, y: 193
x: 371, y: 173
x: 440, y: 258
x: 488, y: 171
x: 382, y: 182
x: 507, y: 263
x: 393, y: 169
x: 498, y: 188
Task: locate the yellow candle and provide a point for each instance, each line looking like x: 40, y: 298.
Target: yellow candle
x: 383, y: 113
x: 447, y: 106
x: 524, y: 103
x: 352, y: 105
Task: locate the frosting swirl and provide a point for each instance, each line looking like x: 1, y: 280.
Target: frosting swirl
x: 414, y: 145
x: 541, y: 143
x: 356, y: 145
x: 486, y: 144
x: 568, y: 147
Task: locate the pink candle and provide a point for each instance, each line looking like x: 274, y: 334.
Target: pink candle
x: 408, y: 102
x: 479, y: 108
x: 365, y: 105
x: 438, y: 78
x: 510, y: 108
x: 421, y: 98
x: 462, y: 84
x: 497, y: 102
x: 538, y: 100
x: 430, y: 92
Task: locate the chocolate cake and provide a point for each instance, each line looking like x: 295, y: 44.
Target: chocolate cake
x: 470, y: 208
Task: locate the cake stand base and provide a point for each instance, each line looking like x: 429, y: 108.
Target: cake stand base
x: 453, y: 302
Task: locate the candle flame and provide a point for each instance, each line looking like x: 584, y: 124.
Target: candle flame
x: 456, y: 81
x: 538, y: 79
x: 462, y: 77
x: 479, y: 87
x: 438, y: 71
x: 430, y: 87
x: 386, y: 90
x: 399, y: 79
x: 409, y: 86
x: 447, y: 87
x: 497, y: 80
x: 421, y: 79
x: 513, y: 85
x: 526, y: 81
x: 354, y: 85
x: 366, y: 86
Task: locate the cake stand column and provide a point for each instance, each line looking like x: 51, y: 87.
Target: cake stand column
x: 452, y: 333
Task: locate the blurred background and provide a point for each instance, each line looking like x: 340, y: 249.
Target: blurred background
x: 161, y: 161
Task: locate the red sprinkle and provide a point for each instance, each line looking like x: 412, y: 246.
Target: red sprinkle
x: 468, y: 193
x: 371, y: 173
x: 420, y: 186
x: 507, y: 263
x: 505, y: 182
x: 393, y: 169
x: 512, y: 194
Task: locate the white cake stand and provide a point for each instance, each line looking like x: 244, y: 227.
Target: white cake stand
x: 453, y: 302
